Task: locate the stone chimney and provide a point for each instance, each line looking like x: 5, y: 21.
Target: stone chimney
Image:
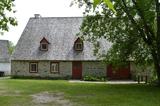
x: 37, y: 16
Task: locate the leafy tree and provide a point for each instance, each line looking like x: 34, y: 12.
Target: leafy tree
x: 132, y: 30
x: 11, y: 47
x: 6, y: 7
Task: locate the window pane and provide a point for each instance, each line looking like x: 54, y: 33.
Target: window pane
x: 79, y: 46
x: 33, y: 67
x: 54, y: 67
x: 44, y: 46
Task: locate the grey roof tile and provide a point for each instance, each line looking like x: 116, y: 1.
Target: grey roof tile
x: 4, y: 52
x: 60, y: 32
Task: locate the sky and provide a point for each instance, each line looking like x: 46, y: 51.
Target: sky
x: 46, y: 8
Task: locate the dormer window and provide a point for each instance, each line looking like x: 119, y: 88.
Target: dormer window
x: 44, y: 44
x: 78, y: 45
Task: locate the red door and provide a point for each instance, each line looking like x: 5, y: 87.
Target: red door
x: 76, y: 70
x: 118, y: 73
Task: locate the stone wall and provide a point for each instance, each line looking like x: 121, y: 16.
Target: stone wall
x: 93, y: 69
x: 21, y: 68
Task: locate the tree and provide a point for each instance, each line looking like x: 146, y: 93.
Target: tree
x: 6, y: 8
x: 11, y: 47
x: 132, y: 30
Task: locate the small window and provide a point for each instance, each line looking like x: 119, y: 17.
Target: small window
x: 33, y: 67
x: 44, y: 46
x: 54, y: 68
x: 78, y: 46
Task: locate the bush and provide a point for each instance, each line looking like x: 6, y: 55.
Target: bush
x: 1, y: 74
x: 39, y: 77
x: 94, y: 78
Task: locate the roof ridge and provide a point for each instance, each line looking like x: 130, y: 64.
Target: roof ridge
x: 3, y: 40
x: 57, y: 17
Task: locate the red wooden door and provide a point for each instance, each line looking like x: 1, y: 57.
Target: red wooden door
x: 76, y: 70
x: 118, y: 73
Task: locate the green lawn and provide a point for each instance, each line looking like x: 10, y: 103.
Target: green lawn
x: 16, y: 92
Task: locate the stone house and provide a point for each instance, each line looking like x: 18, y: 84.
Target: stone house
x: 49, y: 47
x: 5, y: 64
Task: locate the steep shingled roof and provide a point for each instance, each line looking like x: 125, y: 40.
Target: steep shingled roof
x: 60, y: 32
x: 4, y: 52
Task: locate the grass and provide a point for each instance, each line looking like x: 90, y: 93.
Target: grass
x: 16, y: 92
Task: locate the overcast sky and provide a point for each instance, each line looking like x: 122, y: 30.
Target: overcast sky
x: 47, y: 8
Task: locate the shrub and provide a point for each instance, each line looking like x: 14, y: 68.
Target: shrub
x: 94, y: 78
x: 39, y: 77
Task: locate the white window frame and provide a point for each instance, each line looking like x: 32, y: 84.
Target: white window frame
x: 30, y: 67
x: 54, y: 69
x: 42, y: 46
x: 77, y: 47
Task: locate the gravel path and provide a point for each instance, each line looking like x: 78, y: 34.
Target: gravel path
x: 106, y: 82
x: 51, y: 98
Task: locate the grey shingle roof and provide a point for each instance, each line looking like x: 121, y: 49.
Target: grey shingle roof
x: 4, y: 52
x: 60, y: 32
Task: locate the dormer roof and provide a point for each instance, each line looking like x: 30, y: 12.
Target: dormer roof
x: 44, y: 40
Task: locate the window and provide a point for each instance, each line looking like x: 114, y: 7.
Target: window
x: 44, y: 46
x: 54, y: 67
x: 33, y: 67
x: 78, y: 46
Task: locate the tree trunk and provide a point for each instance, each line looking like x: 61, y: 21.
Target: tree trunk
x: 156, y: 65
x: 158, y: 74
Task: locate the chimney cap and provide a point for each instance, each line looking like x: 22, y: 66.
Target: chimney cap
x: 37, y: 15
